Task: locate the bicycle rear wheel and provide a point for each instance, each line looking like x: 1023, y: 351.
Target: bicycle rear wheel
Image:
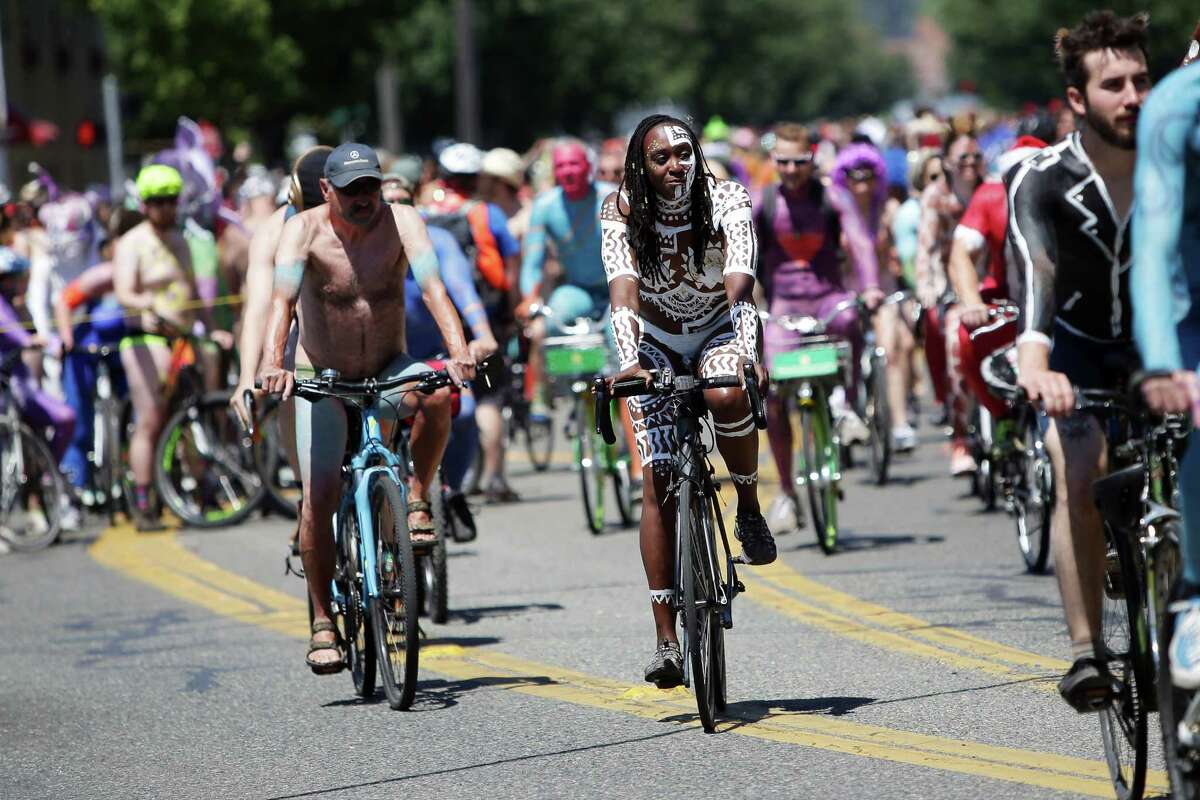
x: 271, y: 460
x: 1033, y: 496
x: 819, y: 460
x: 699, y: 597
x: 1123, y: 723
x: 205, y: 474
x: 350, y: 611
x: 31, y: 490
x: 539, y: 442
x: 394, y: 612
x: 1183, y: 762
x: 589, y: 457
x: 879, y: 417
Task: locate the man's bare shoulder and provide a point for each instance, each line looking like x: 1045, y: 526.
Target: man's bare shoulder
x: 407, y: 218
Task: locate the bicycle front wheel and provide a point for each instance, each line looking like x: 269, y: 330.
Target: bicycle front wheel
x: 204, y: 474
x: 701, y: 620
x: 819, y: 460
x: 588, y: 454
x: 1033, y: 496
x: 880, y: 419
x: 394, y: 612
x: 31, y: 490
x: 1183, y: 762
x: 1123, y: 723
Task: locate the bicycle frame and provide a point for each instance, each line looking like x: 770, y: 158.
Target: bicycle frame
x: 372, y: 460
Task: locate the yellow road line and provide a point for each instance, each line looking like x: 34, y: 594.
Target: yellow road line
x: 162, y: 562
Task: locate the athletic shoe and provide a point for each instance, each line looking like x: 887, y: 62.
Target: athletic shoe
x: 962, y: 463
x: 904, y: 439
x: 784, y: 514
x: 1185, y: 644
x: 852, y: 429
x: 758, y: 546
x: 1088, y: 686
x: 464, y: 520
x: 665, y: 670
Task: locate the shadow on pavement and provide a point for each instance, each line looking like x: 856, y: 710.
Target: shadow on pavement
x: 472, y: 615
x: 480, y: 765
x: 849, y: 542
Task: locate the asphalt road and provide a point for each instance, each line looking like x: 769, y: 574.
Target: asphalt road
x: 919, y: 661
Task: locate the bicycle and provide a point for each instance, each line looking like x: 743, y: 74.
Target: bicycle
x: 1141, y: 540
x: 874, y: 400
x: 376, y: 620
x: 110, y: 482
x: 270, y: 458
x: 31, y: 487
x: 705, y: 584
x: 204, y: 463
x: 805, y: 377
x: 575, y: 359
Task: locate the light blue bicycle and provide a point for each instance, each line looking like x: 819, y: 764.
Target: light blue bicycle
x: 376, y: 614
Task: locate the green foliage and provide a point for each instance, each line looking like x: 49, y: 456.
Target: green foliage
x: 1007, y: 49
x: 546, y: 66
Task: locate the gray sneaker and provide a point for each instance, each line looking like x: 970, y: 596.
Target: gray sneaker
x: 665, y: 670
x: 784, y: 514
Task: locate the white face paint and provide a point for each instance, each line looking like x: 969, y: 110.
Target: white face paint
x: 675, y: 136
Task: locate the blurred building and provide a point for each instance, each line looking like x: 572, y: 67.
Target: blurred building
x: 54, y: 60
x: 916, y: 35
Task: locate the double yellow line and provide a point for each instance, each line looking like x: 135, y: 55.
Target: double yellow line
x: 162, y: 562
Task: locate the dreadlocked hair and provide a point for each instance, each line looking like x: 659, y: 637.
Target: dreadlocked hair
x: 643, y: 233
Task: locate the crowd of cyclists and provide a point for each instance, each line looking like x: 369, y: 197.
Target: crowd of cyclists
x: 1061, y: 242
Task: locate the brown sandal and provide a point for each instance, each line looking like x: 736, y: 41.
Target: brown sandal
x: 325, y: 667
x: 426, y: 530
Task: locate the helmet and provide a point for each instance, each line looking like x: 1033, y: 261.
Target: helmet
x: 258, y: 183
x: 461, y: 159
x: 159, y: 180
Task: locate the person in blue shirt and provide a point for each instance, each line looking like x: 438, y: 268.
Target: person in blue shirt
x: 1165, y: 290
x: 424, y: 341
x: 567, y: 218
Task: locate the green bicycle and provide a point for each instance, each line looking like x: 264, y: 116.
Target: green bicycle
x: 805, y: 377
x: 576, y: 358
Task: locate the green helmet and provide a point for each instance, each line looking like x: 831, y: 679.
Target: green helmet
x: 159, y: 180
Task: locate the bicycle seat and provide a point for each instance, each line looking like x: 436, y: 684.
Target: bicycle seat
x: 1118, y: 495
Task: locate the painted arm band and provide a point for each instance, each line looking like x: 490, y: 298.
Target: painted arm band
x: 425, y: 268
x: 745, y: 329
x: 627, y: 333
x: 288, y: 277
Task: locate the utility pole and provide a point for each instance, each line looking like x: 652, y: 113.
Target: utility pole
x: 387, y: 89
x: 466, y: 74
x: 113, y: 136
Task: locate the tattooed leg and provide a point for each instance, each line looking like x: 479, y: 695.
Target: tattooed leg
x: 737, y: 438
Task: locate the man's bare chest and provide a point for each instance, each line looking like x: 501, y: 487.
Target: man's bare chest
x: 344, y: 276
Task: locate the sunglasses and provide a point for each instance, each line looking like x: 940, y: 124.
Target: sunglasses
x: 795, y: 162
x: 970, y: 158
x: 162, y: 201
x: 361, y: 187
x: 937, y: 176
x: 858, y: 175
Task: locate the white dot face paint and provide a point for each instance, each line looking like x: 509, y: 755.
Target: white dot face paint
x: 676, y: 135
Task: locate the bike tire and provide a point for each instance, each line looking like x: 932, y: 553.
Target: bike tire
x: 434, y: 564
x: 820, y: 459
x: 1123, y: 724
x: 1183, y: 764
x: 539, y: 443
x: 28, y: 472
x: 270, y: 458
x: 880, y: 420
x: 124, y: 477
x: 699, y: 599
x: 587, y: 459
x: 396, y: 630
x: 227, y: 488
x: 351, y: 613
x: 1033, y: 497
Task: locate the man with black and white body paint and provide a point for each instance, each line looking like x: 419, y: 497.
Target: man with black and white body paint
x: 679, y: 256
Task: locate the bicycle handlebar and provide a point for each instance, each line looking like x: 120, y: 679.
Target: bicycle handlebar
x: 666, y: 383
x: 329, y: 384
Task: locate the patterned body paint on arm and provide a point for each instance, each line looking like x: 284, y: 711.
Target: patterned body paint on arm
x: 745, y: 329
x: 615, y: 249
x: 627, y: 333
x: 1033, y: 243
x: 733, y: 214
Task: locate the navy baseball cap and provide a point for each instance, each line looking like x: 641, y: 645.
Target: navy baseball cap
x: 351, y: 161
